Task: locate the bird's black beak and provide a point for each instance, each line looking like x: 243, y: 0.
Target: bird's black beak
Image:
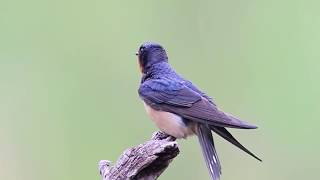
x: 137, y: 53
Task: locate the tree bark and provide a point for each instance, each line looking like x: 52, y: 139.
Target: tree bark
x: 144, y: 162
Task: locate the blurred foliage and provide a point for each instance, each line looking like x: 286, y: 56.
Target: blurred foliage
x: 69, y: 79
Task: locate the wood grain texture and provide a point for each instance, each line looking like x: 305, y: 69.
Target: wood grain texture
x: 143, y: 162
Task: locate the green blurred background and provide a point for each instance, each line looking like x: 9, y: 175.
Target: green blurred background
x: 69, y: 79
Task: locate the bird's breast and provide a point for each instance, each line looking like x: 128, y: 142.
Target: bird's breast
x: 170, y: 123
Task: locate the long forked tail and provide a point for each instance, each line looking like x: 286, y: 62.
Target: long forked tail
x: 223, y: 132
x: 208, y: 150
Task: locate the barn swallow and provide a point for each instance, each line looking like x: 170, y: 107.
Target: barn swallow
x: 180, y: 109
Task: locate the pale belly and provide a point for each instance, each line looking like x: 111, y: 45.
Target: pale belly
x: 170, y: 123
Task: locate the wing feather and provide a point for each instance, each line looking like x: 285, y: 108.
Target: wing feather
x: 178, y: 98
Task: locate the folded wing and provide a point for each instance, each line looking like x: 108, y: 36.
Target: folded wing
x: 177, y: 98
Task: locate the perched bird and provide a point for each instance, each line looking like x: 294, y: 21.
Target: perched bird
x: 180, y: 109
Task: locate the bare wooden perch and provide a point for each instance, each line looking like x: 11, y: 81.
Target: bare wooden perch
x: 144, y: 162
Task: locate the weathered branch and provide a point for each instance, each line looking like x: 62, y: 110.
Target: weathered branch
x: 143, y: 162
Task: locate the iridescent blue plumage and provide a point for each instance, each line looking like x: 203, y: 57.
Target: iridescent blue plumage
x: 163, y: 90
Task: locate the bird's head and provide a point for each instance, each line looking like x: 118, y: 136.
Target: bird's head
x: 150, y: 53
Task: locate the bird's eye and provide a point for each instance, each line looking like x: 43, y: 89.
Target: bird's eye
x: 141, y: 49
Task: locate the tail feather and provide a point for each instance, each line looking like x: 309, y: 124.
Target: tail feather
x: 223, y: 132
x: 209, y: 153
